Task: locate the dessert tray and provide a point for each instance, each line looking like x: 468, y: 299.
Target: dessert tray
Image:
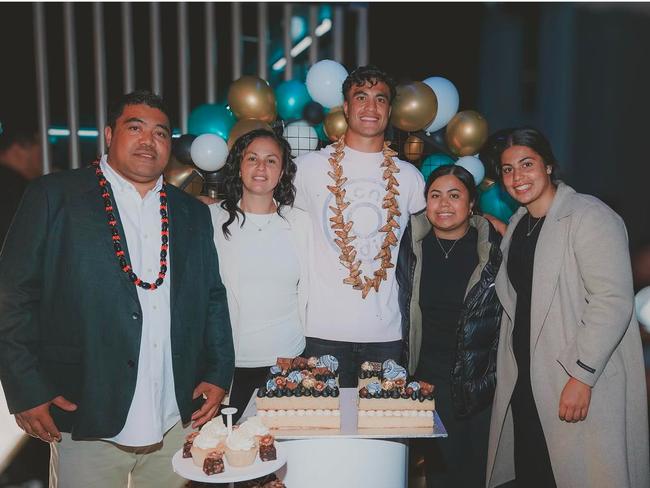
x: 186, y: 468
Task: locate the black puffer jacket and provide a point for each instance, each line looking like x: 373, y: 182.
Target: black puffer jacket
x: 473, y: 377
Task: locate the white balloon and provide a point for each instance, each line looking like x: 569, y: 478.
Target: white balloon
x: 325, y: 81
x: 448, y: 101
x: 642, y: 307
x: 302, y: 137
x: 209, y: 152
x: 474, y: 166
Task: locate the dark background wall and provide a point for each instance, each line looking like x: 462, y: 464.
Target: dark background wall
x: 579, y: 72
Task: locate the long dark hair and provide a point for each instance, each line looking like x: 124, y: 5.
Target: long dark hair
x: 523, y: 136
x: 284, y: 193
x: 459, y: 172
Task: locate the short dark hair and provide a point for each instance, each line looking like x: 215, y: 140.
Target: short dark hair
x: 17, y: 132
x: 138, y: 97
x: 284, y: 193
x: 369, y: 74
x: 528, y: 137
x: 459, y: 172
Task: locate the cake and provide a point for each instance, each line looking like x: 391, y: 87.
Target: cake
x: 268, y: 481
x: 301, y: 393
x: 213, y: 463
x: 209, y: 439
x: 267, y: 448
x: 390, y: 400
x: 241, y: 448
x: 189, y: 442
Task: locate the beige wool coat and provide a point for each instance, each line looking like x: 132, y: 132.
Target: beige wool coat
x: 582, y: 325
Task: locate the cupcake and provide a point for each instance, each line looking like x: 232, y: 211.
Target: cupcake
x: 210, y: 439
x: 255, y: 428
x: 240, y: 448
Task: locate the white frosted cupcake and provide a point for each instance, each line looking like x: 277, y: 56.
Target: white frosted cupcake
x: 241, y: 448
x: 211, y: 438
x: 254, y: 427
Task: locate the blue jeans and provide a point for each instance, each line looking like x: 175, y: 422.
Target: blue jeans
x: 352, y: 354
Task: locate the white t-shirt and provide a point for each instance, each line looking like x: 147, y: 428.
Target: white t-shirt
x: 269, y: 271
x: 336, y: 311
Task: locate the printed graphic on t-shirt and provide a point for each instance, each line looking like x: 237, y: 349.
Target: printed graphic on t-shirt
x: 365, y: 196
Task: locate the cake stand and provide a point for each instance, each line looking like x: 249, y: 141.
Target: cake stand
x: 186, y: 468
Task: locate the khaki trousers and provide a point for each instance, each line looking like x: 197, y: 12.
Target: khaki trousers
x: 103, y: 464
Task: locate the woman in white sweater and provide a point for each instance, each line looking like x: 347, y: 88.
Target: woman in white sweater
x: 263, y: 244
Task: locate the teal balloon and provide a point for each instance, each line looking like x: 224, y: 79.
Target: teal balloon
x: 496, y: 201
x: 320, y: 131
x: 291, y: 96
x: 211, y: 119
x: 434, y: 161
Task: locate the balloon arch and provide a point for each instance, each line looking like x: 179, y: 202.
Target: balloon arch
x: 310, y: 115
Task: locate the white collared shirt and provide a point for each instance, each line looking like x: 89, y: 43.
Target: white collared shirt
x: 153, y: 409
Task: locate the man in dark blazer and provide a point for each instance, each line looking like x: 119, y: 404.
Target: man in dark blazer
x: 114, y: 323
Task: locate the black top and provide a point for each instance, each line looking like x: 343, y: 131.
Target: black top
x: 532, y: 461
x: 521, y: 259
x: 443, y: 284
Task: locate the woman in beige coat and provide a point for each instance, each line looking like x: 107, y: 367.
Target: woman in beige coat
x: 570, y: 405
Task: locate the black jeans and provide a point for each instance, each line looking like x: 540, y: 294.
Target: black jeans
x: 352, y: 354
x: 461, y: 459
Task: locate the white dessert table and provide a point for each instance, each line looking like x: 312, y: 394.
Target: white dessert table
x: 324, y: 458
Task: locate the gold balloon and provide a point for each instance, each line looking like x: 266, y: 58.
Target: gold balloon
x: 414, y: 107
x: 178, y: 174
x: 335, y: 124
x: 466, y: 133
x: 251, y: 97
x: 244, y: 126
x: 413, y: 148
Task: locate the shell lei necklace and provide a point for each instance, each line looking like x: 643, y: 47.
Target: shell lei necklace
x: 342, y: 229
x: 117, y: 242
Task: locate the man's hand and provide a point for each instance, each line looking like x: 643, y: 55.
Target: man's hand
x: 38, y: 422
x: 213, y: 395
x: 574, y: 401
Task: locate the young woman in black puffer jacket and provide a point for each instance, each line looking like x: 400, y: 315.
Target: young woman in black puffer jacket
x: 447, y: 264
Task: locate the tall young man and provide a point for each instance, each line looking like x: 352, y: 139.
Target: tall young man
x: 113, y: 317
x: 359, y: 196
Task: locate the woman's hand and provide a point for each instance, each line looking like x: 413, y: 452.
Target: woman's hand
x: 574, y: 401
x: 499, y: 225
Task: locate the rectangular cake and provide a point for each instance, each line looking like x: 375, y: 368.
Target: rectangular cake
x: 387, y: 399
x: 301, y: 393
